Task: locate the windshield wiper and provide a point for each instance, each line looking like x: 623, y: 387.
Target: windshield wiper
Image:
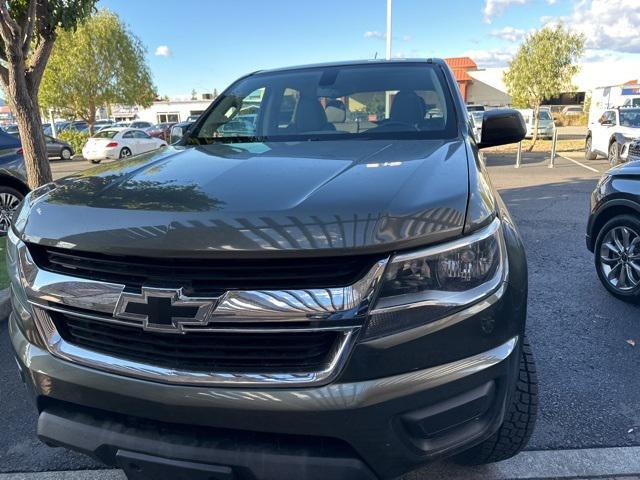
x: 232, y: 139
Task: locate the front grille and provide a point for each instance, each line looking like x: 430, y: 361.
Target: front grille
x: 202, y: 351
x: 634, y: 151
x: 205, y: 276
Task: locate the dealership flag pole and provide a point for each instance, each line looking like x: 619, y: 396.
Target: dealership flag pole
x: 388, y: 56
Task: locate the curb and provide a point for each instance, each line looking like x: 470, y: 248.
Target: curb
x: 5, y: 304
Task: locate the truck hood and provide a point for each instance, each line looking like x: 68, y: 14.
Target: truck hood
x: 300, y: 198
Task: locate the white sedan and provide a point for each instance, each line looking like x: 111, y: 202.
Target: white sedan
x: 118, y: 143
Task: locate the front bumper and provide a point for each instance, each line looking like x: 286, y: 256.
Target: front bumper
x: 380, y: 427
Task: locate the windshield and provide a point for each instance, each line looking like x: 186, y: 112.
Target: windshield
x: 544, y: 115
x: 105, y: 134
x: 630, y: 118
x: 330, y: 103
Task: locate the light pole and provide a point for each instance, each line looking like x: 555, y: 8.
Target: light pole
x: 389, y: 12
x: 387, y: 98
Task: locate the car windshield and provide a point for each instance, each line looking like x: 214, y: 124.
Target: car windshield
x: 330, y: 103
x: 544, y: 115
x: 105, y: 134
x: 630, y: 118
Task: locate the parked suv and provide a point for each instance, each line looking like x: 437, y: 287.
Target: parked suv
x: 613, y: 230
x: 611, y: 133
x: 321, y: 295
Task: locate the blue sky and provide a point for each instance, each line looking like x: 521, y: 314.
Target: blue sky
x: 206, y: 44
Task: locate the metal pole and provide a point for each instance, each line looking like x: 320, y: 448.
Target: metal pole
x: 553, y: 148
x: 54, y: 134
x: 389, y: 9
x: 387, y: 98
x: 519, y: 155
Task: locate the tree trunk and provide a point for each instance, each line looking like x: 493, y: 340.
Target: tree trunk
x: 536, y: 121
x: 25, y: 105
x: 33, y: 144
x: 92, y: 119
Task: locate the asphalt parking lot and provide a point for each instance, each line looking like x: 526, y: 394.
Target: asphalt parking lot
x: 582, y: 337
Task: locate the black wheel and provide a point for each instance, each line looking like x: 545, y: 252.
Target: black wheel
x: 66, y: 153
x: 617, y: 257
x: 519, y: 420
x: 125, y: 153
x: 10, y: 198
x: 614, y: 154
x: 589, y: 154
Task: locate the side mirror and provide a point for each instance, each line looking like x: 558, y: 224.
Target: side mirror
x: 502, y: 126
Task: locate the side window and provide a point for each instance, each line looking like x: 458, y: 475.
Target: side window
x: 238, y: 116
x: 607, y: 117
x: 127, y: 135
x: 140, y: 134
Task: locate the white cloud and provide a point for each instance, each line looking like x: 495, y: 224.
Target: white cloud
x: 497, y: 57
x: 551, y: 2
x: 509, y: 33
x: 493, y: 8
x: 163, y: 51
x: 608, y: 24
x: 375, y: 34
x: 600, y: 56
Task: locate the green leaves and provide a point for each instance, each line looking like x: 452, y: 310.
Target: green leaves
x: 99, y: 63
x: 543, y: 66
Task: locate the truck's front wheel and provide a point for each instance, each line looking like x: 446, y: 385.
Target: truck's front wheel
x: 519, y: 420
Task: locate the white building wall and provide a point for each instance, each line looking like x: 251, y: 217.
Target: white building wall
x: 170, y: 110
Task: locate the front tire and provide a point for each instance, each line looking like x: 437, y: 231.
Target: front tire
x: 614, y: 154
x: 519, y: 419
x: 617, y: 257
x: 589, y: 154
x: 66, y: 154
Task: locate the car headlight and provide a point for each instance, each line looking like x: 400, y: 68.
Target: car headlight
x: 424, y: 286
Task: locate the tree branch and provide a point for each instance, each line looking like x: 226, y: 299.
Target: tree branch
x: 38, y: 62
x: 27, y: 28
x: 9, y: 28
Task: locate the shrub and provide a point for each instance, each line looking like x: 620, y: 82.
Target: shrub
x: 75, y: 139
x: 570, y: 120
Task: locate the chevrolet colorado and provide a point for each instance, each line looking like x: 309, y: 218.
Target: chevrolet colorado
x: 332, y: 288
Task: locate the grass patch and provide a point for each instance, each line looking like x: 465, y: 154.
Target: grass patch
x: 541, y: 146
x: 4, y: 276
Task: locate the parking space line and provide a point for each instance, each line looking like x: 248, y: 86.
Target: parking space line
x: 580, y: 163
x: 547, y: 464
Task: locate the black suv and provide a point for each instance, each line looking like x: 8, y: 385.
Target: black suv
x: 335, y: 291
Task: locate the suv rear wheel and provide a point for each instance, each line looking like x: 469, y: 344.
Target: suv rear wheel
x: 519, y: 419
x: 617, y: 257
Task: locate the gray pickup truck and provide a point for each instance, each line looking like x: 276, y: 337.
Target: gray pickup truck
x: 333, y: 291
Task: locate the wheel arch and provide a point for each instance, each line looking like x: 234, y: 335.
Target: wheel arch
x: 13, y: 182
x: 610, y: 210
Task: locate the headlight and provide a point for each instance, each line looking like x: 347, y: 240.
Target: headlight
x: 423, y: 286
